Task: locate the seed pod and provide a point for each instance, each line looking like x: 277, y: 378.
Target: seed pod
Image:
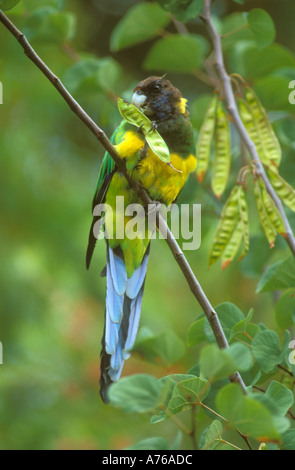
x: 135, y: 117
x: 205, y: 140
x: 252, y: 129
x: 244, y: 215
x: 283, y: 189
x: 270, y: 143
x: 226, y: 227
x: 233, y: 245
x: 267, y: 226
x: 272, y: 210
x: 222, y: 155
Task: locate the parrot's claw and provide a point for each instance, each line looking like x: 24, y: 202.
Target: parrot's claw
x: 139, y: 129
x: 154, y: 126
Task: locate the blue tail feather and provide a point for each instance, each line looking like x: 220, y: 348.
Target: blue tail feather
x: 123, y: 307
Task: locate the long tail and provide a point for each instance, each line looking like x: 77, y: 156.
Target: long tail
x: 123, y: 307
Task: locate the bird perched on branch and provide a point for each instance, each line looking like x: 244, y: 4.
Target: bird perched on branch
x: 127, y: 258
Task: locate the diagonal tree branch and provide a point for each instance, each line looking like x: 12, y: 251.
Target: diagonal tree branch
x: 192, y: 281
x: 233, y: 110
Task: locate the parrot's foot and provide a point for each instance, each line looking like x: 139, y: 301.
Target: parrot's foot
x: 139, y: 129
x: 154, y: 126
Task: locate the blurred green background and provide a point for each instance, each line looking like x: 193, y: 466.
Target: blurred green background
x: 52, y: 309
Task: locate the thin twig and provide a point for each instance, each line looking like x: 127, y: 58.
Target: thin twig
x: 233, y: 111
x: 230, y: 444
x: 203, y: 77
x: 243, y: 436
x: 234, y: 31
x: 279, y: 366
x: 163, y: 228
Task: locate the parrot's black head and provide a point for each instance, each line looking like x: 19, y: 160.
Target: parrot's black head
x: 159, y: 99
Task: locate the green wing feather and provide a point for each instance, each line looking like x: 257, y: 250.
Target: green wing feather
x: 108, y: 166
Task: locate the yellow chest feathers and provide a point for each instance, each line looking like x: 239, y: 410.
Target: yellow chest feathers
x: 162, y: 181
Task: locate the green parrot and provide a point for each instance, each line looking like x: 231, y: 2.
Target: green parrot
x: 127, y: 257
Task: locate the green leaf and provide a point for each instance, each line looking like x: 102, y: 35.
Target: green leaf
x: 91, y: 75
x: 251, y: 62
x: 254, y: 263
x: 285, y: 309
x: 192, y: 390
x: 8, y: 4
x: 108, y: 73
x: 151, y: 443
x: 183, y: 10
x: 169, y: 383
x: 278, y: 276
x: 241, y: 325
x: 262, y: 27
x: 30, y: 5
x: 241, y: 355
x: 281, y: 423
x: 229, y: 315
x: 165, y: 347
x: 246, y: 414
x: 211, y: 437
x: 141, y: 22
x: 267, y: 350
x: 136, y: 394
x: 286, y: 131
x: 235, y: 28
x: 288, y: 440
x: 272, y: 92
x: 216, y: 364
x: 282, y: 396
x: 196, y: 333
x: 49, y: 25
x: 177, y: 53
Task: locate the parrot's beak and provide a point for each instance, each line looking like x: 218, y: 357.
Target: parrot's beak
x: 138, y: 99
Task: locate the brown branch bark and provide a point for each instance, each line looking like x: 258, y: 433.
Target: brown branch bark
x: 162, y: 226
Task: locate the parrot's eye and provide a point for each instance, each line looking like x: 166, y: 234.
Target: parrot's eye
x: 157, y: 87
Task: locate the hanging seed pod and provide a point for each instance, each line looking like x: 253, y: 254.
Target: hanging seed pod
x: 154, y: 140
x: 267, y: 226
x: 272, y: 210
x: 233, y: 245
x: 222, y: 155
x: 283, y: 189
x: 226, y: 227
x: 244, y: 215
x: 205, y: 140
x: 267, y: 135
x: 252, y: 129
